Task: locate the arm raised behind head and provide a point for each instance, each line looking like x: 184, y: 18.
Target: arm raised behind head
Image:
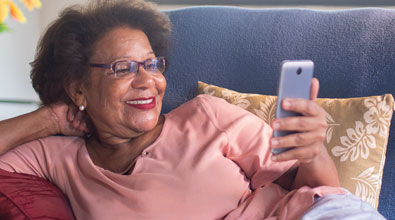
x: 48, y: 120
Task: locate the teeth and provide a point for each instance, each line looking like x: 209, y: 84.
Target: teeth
x: 140, y: 102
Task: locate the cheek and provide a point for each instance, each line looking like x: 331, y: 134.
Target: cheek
x: 161, y: 84
x: 108, y: 94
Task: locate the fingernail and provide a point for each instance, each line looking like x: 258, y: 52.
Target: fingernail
x: 274, y: 142
x: 276, y: 126
x: 286, y: 104
x: 274, y: 158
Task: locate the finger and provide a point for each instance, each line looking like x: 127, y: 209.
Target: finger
x: 314, y: 89
x: 298, y: 139
x: 302, y: 106
x: 71, y: 112
x: 300, y: 123
x: 77, y: 119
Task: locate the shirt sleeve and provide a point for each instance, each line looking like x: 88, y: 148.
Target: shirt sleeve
x: 46, y: 158
x: 248, y: 141
x: 27, y: 158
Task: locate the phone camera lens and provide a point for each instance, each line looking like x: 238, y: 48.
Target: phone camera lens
x: 299, y: 71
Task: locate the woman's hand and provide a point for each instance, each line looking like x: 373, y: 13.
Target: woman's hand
x: 311, y: 127
x: 316, y: 168
x: 68, y: 120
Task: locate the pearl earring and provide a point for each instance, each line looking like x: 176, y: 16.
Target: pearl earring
x: 82, y: 108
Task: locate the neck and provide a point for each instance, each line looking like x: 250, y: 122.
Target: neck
x: 118, y: 157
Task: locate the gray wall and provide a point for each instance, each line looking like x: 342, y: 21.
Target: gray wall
x: 16, y: 51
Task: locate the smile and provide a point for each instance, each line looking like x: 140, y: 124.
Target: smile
x: 139, y: 102
x: 142, y: 103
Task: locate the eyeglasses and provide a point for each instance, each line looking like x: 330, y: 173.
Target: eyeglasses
x: 125, y: 67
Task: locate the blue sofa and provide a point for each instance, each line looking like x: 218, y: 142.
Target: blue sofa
x: 241, y: 49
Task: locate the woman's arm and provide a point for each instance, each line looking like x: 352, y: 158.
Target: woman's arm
x: 45, y: 121
x: 315, y: 167
x: 320, y: 171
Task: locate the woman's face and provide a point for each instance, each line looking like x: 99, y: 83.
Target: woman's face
x: 122, y: 108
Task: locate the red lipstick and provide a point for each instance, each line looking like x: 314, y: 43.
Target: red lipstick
x: 142, y: 103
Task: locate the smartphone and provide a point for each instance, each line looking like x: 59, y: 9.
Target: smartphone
x: 295, y: 82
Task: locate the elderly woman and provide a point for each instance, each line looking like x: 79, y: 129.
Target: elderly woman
x: 204, y: 160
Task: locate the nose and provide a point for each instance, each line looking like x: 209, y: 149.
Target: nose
x: 143, y: 79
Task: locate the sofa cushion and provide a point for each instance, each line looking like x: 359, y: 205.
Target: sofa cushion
x: 356, y: 137
x: 24, y: 196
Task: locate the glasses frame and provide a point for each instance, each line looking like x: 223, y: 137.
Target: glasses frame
x: 112, y: 65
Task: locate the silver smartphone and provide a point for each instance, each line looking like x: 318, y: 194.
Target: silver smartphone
x: 295, y: 82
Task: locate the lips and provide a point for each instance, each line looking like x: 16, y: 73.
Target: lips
x: 142, y: 103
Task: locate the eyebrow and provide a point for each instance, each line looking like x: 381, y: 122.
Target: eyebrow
x: 127, y: 57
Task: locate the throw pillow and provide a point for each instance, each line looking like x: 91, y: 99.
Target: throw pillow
x: 24, y: 196
x: 356, y: 137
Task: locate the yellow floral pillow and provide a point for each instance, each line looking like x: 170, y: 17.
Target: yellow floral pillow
x: 356, y: 137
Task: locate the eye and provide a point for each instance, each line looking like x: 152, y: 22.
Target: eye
x: 122, y: 68
x: 160, y: 64
x: 151, y: 65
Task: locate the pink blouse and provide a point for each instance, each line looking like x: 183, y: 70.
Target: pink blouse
x: 212, y: 160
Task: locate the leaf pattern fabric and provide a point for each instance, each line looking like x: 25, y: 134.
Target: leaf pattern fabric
x: 355, y: 144
x: 356, y: 137
x: 366, y: 185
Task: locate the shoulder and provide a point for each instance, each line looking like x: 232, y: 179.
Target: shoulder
x: 220, y: 108
x: 210, y: 99
x: 42, y: 157
x: 58, y: 142
x: 201, y: 105
x: 217, y: 110
x: 62, y: 141
x: 51, y: 146
x: 206, y: 103
x: 212, y: 103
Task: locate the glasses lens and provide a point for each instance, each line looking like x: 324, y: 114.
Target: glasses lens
x: 150, y: 65
x: 123, y: 68
x: 155, y: 65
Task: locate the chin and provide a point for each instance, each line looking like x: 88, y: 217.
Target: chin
x: 148, y: 124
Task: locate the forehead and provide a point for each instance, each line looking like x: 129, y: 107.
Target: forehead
x: 122, y: 42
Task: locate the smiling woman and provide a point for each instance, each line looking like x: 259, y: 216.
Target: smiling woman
x: 206, y: 159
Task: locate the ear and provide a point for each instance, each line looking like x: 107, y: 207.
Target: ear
x: 77, y: 94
